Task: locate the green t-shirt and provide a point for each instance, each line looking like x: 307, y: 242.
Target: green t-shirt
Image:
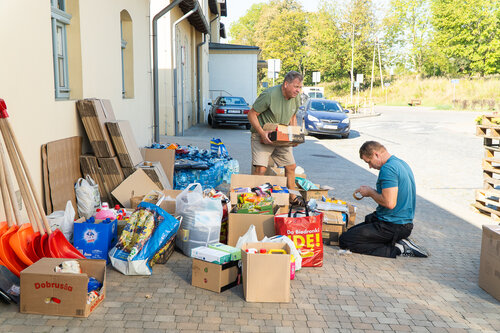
x: 274, y: 108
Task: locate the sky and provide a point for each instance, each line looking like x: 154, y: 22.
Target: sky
x: 238, y: 8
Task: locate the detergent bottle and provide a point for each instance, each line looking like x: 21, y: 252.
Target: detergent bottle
x: 105, y: 212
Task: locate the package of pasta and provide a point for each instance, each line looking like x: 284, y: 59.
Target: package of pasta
x: 143, y: 240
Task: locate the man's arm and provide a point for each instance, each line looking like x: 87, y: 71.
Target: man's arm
x: 293, y: 121
x: 388, y: 198
x: 252, y: 118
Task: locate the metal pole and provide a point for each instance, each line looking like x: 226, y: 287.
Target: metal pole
x: 380, y: 64
x: 352, y: 61
x: 373, y: 70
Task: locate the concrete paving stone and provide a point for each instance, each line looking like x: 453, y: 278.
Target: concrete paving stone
x: 299, y: 323
x: 249, y: 329
x: 164, y: 318
x: 284, y: 330
x: 362, y: 326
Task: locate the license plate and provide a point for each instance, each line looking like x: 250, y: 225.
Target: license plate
x: 234, y: 111
x: 330, y: 127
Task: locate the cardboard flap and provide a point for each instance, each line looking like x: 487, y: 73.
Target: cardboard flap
x: 137, y: 184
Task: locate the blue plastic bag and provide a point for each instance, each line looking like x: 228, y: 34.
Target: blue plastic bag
x: 147, y: 231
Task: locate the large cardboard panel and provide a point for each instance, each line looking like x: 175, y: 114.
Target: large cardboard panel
x: 214, y: 277
x: 124, y: 142
x: 167, y: 205
x: 67, y: 292
x: 63, y: 171
x: 136, y: 185
x: 155, y: 171
x: 94, y: 113
x: 165, y: 156
x: 489, y: 266
x: 238, y: 224
x: 111, y: 171
x: 266, y: 277
x: 241, y: 180
x: 89, y: 166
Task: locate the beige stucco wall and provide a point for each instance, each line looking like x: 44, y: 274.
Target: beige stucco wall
x: 26, y: 71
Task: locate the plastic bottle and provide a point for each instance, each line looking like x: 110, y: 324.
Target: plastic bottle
x: 105, y: 212
x: 263, y: 251
x: 292, y: 267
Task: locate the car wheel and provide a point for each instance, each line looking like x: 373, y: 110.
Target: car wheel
x: 345, y: 136
x: 248, y: 126
x: 209, y: 120
x: 213, y: 124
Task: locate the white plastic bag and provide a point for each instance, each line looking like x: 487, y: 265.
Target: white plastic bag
x: 201, y: 219
x: 87, y: 197
x: 249, y: 237
x: 291, y: 244
x: 63, y: 220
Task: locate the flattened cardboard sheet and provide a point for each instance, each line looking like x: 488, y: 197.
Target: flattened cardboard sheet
x: 63, y: 167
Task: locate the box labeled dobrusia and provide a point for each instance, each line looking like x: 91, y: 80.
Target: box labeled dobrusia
x: 43, y: 291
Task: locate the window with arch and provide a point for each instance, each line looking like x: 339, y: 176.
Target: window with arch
x: 127, y: 54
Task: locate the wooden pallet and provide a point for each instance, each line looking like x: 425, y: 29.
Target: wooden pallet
x: 488, y: 119
x: 488, y: 202
x: 488, y: 131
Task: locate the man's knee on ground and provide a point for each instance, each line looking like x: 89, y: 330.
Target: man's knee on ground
x: 259, y: 170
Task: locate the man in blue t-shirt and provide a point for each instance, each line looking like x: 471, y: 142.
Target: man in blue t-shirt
x: 385, y: 232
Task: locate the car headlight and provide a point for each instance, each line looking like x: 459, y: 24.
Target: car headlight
x: 346, y: 121
x: 312, y: 118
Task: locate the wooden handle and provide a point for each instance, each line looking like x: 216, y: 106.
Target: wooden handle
x: 10, y: 186
x: 23, y: 187
x: 38, y: 201
x: 5, y: 194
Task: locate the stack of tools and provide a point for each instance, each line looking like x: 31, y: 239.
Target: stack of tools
x: 22, y: 243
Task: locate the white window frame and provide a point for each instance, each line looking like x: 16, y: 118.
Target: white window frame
x: 60, y: 19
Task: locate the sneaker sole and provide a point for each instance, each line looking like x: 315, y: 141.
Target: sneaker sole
x: 417, y: 248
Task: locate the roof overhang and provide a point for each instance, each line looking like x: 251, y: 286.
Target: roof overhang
x: 197, y: 19
x: 212, y: 4
x: 233, y: 47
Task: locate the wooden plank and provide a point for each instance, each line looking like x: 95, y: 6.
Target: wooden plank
x: 481, y: 208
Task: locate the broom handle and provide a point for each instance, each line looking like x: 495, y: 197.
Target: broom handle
x: 5, y: 194
x: 10, y: 186
x: 18, y: 173
x: 30, y: 180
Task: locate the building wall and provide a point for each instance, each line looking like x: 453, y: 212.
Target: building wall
x: 234, y: 73
x: 185, y: 69
x: 27, y: 77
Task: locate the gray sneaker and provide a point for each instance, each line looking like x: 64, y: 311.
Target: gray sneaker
x: 412, y: 250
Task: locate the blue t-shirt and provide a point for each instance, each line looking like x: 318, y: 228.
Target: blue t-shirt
x: 396, y: 173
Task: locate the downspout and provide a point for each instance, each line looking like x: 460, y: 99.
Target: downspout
x: 156, y: 130
x: 198, y: 90
x: 198, y: 81
x: 174, y: 59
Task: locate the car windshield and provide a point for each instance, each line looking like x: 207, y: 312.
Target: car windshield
x: 316, y: 95
x: 232, y: 101
x: 328, y: 106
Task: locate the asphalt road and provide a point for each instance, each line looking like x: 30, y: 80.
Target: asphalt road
x: 440, y: 146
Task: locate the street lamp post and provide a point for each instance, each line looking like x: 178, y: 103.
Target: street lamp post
x: 352, y: 61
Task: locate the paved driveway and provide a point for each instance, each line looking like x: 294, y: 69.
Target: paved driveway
x: 350, y: 293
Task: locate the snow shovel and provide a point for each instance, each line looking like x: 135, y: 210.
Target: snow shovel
x: 57, y: 242
x: 21, y: 240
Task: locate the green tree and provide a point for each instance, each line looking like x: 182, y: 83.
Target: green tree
x: 327, y: 51
x: 243, y: 30
x: 468, y: 34
x: 408, y: 33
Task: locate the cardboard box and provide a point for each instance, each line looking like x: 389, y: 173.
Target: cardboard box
x: 67, y: 293
x: 238, y: 224
x: 314, y: 194
x: 165, y: 156
x: 240, y: 180
x: 136, y: 185
x: 94, y: 240
x: 124, y: 142
x: 214, y: 277
x: 211, y: 255
x: 489, y: 267
x: 94, y: 113
x: 332, y: 232
x: 89, y: 166
x: 266, y: 277
x: 167, y: 205
x: 283, y: 135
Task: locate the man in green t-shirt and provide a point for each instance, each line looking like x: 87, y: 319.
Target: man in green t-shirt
x: 277, y: 105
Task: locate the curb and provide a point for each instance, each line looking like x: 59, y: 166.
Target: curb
x: 355, y: 116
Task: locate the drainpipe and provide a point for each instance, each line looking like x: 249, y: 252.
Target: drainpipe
x: 198, y: 81
x: 174, y: 59
x: 156, y: 130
